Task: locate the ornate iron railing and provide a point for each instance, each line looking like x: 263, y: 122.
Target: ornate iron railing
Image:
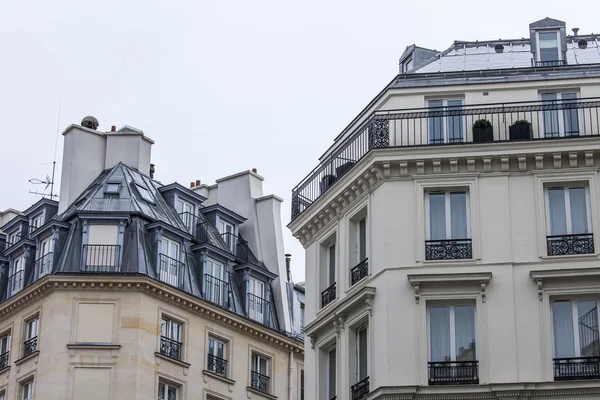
x: 328, y: 295
x: 170, y: 270
x: 216, y: 290
x: 30, y: 346
x: 202, y: 230
x: 453, y: 249
x: 258, y: 309
x: 260, y: 382
x: 560, y: 245
x: 43, y: 264
x: 360, y: 271
x: 4, y: 360
x: 552, y: 63
x: 454, y: 373
x: 217, y: 365
x: 454, y: 125
x: 360, y: 390
x: 574, y: 368
x: 101, y: 258
x: 170, y: 348
x: 15, y: 282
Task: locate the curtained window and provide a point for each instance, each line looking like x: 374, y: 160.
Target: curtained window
x: 452, y: 333
x: 568, y: 210
x: 448, y: 215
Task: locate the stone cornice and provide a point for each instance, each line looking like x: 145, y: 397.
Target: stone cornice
x: 50, y: 283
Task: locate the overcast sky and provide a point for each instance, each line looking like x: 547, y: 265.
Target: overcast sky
x: 221, y: 86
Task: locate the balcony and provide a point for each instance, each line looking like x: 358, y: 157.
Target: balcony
x: 576, y: 368
x: 30, y: 346
x: 360, y: 390
x: 562, y: 245
x: 449, y: 126
x: 101, y: 258
x: 217, y: 365
x: 43, y: 265
x: 170, y: 270
x: 170, y: 348
x: 189, y: 220
x: 360, y: 271
x: 328, y: 295
x: 216, y: 291
x: 258, y: 309
x: 4, y: 358
x: 454, y: 373
x: 453, y: 249
x: 260, y: 382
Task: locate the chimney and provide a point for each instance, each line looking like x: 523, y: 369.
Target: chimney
x: 192, y: 185
x: 287, y: 267
x: 255, y: 170
x: 113, y: 128
x: 575, y: 31
x: 198, y: 183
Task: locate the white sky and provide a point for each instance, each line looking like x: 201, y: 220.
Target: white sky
x: 221, y: 86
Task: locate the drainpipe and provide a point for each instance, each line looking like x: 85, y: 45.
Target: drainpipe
x: 290, y: 370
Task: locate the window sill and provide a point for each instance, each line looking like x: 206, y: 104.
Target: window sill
x: 570, y: 256
x: 173, y: 360
x: 94, y: 346
x: 27, y: 357
x: 219, y: 377
x: 451, y: 262
x: 259, y: 393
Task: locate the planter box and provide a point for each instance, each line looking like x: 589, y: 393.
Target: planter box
x: 481, y: 135
x: 327, y: 181
x: 342, y: 169
x: 520, y: 132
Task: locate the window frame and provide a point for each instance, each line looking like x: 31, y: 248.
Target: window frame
x: 116, y: 191
x: 538, y: 42
x: 447, y: 212
x: 362, y: 328
x: 445, y: 119
x: 40, y: 217
x: 20, y: 262
x: 225, y: 344
x: 560, y: 114
x: 567, y: 197
x: 30, y: 383
x: 328, y: 388
x: 451, y: 305
x: 145, y: 194
x: 573, y: 300
x: 269, y: 367
x: 166, y: 386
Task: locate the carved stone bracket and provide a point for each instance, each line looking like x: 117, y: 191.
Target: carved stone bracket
x: 369, y: 302
x: 540, y: 289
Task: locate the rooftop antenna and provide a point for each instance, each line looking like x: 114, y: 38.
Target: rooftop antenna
x: 49, y: 181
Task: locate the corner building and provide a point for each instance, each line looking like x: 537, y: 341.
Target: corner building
x: 450, y: 230
x: 131, y: 289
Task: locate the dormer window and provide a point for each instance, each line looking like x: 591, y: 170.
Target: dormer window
x: 113, y: 188
x: 36, y: 222
x: 227, y: 231
x: 186, y: 212
x: 407, y: 65
x: 146, y: 196
x: 548, y: 49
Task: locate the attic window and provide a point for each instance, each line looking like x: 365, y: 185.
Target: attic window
x: 113, y: 188
x: 548, y: 48
x: 408, y: 64
x: 145, y: 194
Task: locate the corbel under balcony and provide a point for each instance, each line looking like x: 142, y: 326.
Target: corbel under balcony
x: 541, y: 278
x: 482, y: 279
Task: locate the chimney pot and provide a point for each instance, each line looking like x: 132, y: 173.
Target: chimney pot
x: 198, y: 182
x: 113, y: 128
x: 254, y: 170
x: 192, y: 184
x: 575, y: 31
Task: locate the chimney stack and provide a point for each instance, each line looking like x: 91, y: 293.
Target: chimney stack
x: 575, y: 31
x: 198, y: 182
x: 192, y: 184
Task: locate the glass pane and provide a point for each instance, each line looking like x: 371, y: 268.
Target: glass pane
x: 332, y: 373
x: 211, y: 346
x: 161, y: 391
x: 551, y: 128
x: 331, y: 272
x: 548, y: 46
x: 570, y: 114
x: 556, y: 211
x: 437, y: 216
x: 172, y: 393
x: 435, y: 123
x: 439, y: 333
x: 163, y: 327
x: 458, y: 215
x: 263, y: 367
x: 587, y: 316
x: 362, y: 239
x: 464, y: 324
x: 562, y: 321
x: 362, y: 354
x: 578, y: 210
x: 455, y: 122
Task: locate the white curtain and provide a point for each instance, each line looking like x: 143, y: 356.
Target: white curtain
x: 464, y: 323
x: 578, y: 210
x: 562, y: 321
x: 435, y: 124
x: 437, y: 216
x: 439, y: 333
x: 458, y: 215
x: 556, y: 211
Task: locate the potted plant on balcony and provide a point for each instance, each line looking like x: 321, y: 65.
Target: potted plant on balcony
x: 521, y: 129
x: 483, y: 131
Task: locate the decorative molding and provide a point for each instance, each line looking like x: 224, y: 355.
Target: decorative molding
x: 573, y: 159
x: 481, y: 278
x: 557, y: 157
x: 522, y: 163
x: 543, y: 276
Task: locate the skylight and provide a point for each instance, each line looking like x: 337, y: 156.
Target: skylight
x: 113, y: 188
x: 145, y: 194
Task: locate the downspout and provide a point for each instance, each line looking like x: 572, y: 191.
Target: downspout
x: 290, y: 370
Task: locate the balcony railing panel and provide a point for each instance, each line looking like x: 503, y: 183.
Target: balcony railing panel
x: 260, y: 382
x: 360, y: 271
x: 216, y: 290
x: 453, y: 125
x: 453, y: 249
x: 30, y: 346
x: 360, y: 390
x: 170, y: 348
x: 328, y: 295
x: 4, y: 358
x: 258, y: 309
x: 561, y: 245
x: 43, y: 265
x: 170, y: 270
x: 552, y: 63
x: 454, y: 373
x: 217, y: 365
x: 566, y: 369
x: 101, y: 258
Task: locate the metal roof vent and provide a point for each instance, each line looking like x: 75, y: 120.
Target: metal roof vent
x: 499, y: 48
x: 575, y: 31
x: 90, y: 122
x: 582, y: 44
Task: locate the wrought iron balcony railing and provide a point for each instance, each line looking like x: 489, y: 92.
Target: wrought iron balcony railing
x: 216, y: 290
x: 170, y: 348
x: 453, y: 249
x: 566, y: 369
x: 451, y: 126
x: 454, y: 373
x: 217, y: 365
x: 360, y: 390
x: 43, y: 265
x: 328, y: 295
x: 561, y: 245
x: 101, y: 258
x: 170, y: 270
x: 239, y: 247
x: 552, y: 63
x: 15, y: 282
x: 258, y: 309
x: 260, y: 382
x: 360, y: 271
x: 30, y: 346
x: 4, y: 357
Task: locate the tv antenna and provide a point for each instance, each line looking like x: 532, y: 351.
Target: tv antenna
x: 49, y: 181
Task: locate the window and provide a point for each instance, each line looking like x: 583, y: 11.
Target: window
x: 215, y: 288
x: 217, y: 353
x: 145, y: 194
x: 568, y: 220
x: 452, y: 345
x: 548, y: 48
x: 166, y: 391
x: 186, y: 212
x: 44, y: 262
x: 36, y: 222
x: 408, y: 65
x: 563, y: 121
x: 170, y: 338
x: 260, y: 373
x: 443, y: 128
x: 448, y: 229
x: 361, y: 353
x: 113, y: 188
x: 328, y: 270
x: 14, y: 237
x: 227, y: 231
x: 257, y: 305
x: 331, y: 373
x: 170, y: 268
x: 4, y: 350
x: 27, y: 391
x: 361, y: 267
x: 31, y: 337
x: 16, y: 279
